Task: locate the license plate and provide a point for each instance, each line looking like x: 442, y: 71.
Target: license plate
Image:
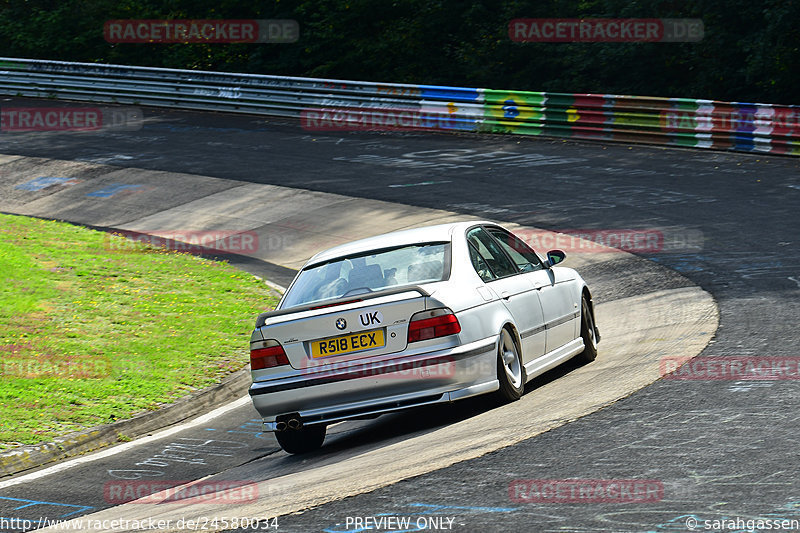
x: 350, y: 343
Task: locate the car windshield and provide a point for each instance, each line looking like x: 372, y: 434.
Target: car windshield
x: 364, y: 273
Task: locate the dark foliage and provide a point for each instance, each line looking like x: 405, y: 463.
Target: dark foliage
x: 751, y: 50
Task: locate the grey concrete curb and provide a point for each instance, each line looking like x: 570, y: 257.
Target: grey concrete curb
x: 24, y: 458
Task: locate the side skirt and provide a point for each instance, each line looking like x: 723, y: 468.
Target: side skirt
x: 550, y: 360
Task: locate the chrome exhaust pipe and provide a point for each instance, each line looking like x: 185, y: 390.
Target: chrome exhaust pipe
x: 295, y: 423
x: 280, y: 426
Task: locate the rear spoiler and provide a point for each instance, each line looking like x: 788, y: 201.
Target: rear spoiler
x: 262, y: 318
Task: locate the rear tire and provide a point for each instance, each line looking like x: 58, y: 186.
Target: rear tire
x: 303, y: 440
x: 510, y: 372
x: 588, y: 334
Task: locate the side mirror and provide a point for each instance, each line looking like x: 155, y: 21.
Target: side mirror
x: 555, y: 257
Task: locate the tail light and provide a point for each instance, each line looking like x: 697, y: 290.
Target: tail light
x: 334, y: 305
x: 431, y: 324
x: 269, y: 355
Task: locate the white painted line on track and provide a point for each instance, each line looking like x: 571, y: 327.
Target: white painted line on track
x: 60, y: 467
x: 280, y: 288
x: 419, y: 184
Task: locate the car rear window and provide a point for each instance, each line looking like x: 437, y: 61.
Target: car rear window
x: 359, y: 274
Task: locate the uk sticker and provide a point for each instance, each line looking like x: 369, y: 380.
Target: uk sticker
x: 370, y: 318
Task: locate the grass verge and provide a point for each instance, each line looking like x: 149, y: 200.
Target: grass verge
x: 93, y: 330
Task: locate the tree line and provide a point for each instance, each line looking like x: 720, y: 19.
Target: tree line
x: 750, y: 50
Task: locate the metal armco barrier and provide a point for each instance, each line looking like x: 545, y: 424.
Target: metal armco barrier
x: 324, y: 104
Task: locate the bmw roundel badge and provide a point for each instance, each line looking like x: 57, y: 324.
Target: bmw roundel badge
x: 341, y: 323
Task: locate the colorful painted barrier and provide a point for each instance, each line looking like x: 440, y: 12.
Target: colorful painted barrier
x: 669, y: 121
x: 343, y: 105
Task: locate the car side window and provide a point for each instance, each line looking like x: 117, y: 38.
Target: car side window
x: 480, y: 264
x: 494, y: 257
x: 522, y: 254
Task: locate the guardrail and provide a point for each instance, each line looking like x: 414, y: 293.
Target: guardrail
x: 326, y: 104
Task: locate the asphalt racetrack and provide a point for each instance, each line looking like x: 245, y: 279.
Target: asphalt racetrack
x: 716, y: 448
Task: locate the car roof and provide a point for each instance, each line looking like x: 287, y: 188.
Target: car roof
x: 435, y: 233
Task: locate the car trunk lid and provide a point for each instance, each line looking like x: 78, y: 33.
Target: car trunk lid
x: 346, y: 330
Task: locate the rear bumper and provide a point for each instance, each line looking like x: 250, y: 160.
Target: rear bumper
x: 380, y: 387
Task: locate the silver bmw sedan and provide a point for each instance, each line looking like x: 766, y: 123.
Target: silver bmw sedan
x: 410, y: 318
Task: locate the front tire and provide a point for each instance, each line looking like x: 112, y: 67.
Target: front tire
x: 588, y: 334
x: 303, y: 440
x: 510, y: 372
